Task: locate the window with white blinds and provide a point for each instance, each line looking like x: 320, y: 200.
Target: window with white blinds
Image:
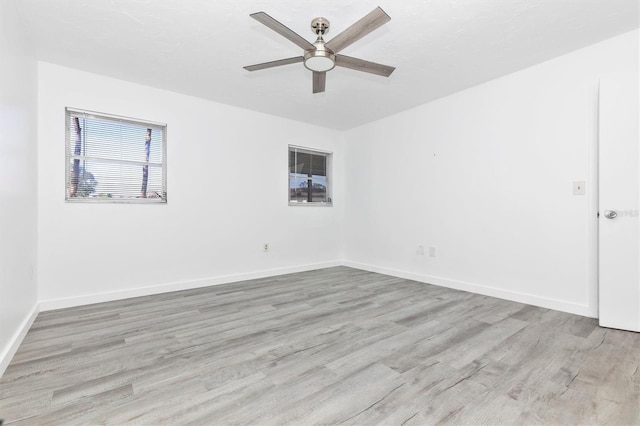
x: 309, y: 176
x: 114, y: 159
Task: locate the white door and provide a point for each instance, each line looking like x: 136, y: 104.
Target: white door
x: 619, y: 196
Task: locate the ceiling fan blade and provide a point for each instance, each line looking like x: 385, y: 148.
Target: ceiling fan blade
x: 364, y: 66
x: 319, y: 80
x: 283, y: 30
x: 364, y: 26
x: 272, y: 64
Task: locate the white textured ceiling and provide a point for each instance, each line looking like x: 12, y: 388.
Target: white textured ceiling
x: 198, y: 47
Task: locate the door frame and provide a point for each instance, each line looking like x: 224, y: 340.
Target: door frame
x: 593, y: 199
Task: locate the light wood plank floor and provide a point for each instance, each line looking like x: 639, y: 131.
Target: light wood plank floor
x: 331, y: 346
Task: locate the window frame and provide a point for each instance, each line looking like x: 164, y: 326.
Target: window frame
x: 68, y: 157
x: 329, y: 177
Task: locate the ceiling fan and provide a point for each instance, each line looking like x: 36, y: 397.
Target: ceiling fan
x: 322, y: 56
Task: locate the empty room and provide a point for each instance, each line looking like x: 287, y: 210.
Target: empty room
x: 319, y: 212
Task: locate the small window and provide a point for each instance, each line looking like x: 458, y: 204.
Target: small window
x: 309, y: 177
x: 114, y: 159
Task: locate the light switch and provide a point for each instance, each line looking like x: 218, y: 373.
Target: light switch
x: 578, y: 188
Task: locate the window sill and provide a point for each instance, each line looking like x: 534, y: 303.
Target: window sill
x: 313, y: 204
x: 106, y: 200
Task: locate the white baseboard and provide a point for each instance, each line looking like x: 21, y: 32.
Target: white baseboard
x: 514, y: 296
x: 560, y: 305
x: 14, y: 343
x: 88, y: 299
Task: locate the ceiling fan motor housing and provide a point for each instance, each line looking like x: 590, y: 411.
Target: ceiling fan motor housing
x: 321, y: 59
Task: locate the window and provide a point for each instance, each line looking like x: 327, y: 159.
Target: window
x: 309, y: 176
x: 114, y: 159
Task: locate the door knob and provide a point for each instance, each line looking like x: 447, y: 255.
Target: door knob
x: 610, y: 214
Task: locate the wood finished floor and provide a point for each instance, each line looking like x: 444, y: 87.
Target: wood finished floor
x: 331, y: 346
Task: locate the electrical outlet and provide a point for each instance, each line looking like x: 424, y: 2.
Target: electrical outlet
x: 420, y: 251
x: 265, y: 247
x: 432, y: 252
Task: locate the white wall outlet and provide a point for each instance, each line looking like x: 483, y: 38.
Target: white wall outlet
x: 578, y: 188
x: 265, y: 247
x: 432, y: 252
x: 420, y: 251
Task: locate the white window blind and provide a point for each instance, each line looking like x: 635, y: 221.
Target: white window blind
x: 114, y: 159
x: 309, y: 176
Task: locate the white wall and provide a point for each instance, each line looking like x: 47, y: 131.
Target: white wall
x: 485, y: 176
x: 18, y: 188
x: 227, y: 192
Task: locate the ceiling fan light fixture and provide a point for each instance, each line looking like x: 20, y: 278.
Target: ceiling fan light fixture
x: 319, y: 60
